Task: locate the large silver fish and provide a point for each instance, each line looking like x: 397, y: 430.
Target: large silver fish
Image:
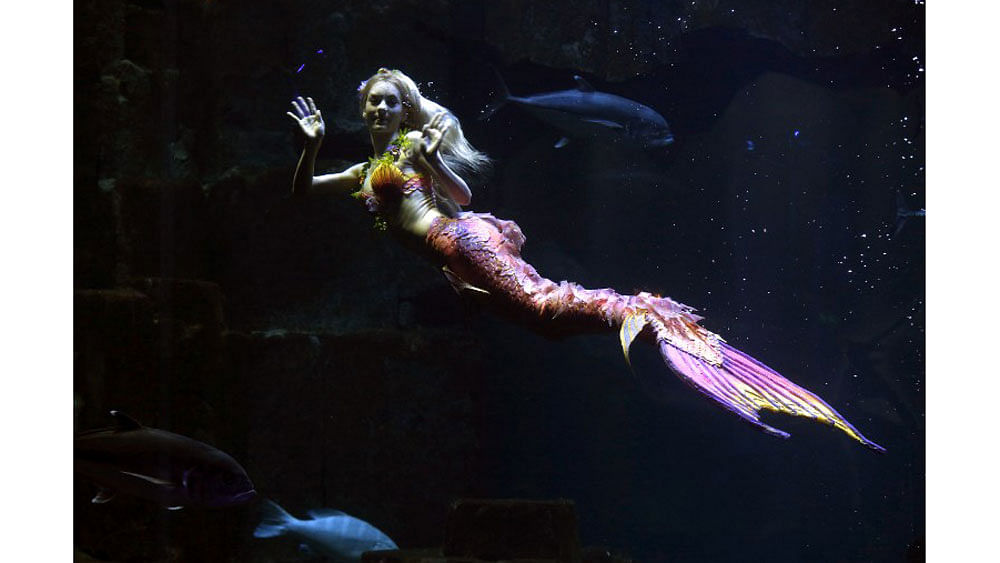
x: 166, y: 468
x: 585, y: 112
x: 331, y: 533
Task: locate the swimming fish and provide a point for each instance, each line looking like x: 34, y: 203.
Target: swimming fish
x: 166, y: 468
x: 585, y: 112
x: 331, y: 533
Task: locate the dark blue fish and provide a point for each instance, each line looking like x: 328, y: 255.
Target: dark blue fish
x: 166, y: 468
x: 585, y: 112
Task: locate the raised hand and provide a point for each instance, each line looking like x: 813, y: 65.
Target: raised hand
x: 308, y: 118
x: 433, y: 132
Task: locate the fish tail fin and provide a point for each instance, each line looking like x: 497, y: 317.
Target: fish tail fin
x: 500, y: 100
x: 274, y: 520
x: 745, y: 386
x: 900, y: 223
x: 900, y: 213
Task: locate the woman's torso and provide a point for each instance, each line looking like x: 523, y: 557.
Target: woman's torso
x: 408, y: 207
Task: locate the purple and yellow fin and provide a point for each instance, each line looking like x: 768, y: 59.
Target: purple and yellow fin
x: 682, y: 331
x: 632, y: 325
x: 744, y: 386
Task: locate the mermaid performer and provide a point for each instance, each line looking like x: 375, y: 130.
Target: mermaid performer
x: 412, y: 188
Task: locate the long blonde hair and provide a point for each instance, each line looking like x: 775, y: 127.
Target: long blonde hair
x: 457, y: 152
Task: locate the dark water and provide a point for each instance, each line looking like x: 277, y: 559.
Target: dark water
x: 343, y: 372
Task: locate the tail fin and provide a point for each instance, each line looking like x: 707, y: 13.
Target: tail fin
x: 500, y: 101
x: 744, y: 386
x: 273, y: 521
x: 900, y: 222
x: 901, y: 215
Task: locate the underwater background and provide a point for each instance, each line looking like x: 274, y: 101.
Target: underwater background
x: 343, y: 371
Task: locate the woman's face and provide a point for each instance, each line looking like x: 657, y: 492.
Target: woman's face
x: 383, y: 108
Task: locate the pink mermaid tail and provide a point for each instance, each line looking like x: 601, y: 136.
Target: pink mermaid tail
x: 480, y: 254
x: 744, y: 386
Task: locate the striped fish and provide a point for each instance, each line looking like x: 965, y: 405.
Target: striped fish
x: 328, y: 533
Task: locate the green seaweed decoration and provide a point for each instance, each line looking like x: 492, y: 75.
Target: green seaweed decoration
x: 401, y: 140
x: 399, y: 144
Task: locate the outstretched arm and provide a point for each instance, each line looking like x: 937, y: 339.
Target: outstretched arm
x: 427, y: 153
x: 310, y: 121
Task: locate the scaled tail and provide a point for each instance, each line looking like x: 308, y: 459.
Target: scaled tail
x: 499, y: 101
x: 744, y: 386
x: 483, y: 252
x: 274, y: 520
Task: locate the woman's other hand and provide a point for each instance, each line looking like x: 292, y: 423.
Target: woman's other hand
x: 308, y: 118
